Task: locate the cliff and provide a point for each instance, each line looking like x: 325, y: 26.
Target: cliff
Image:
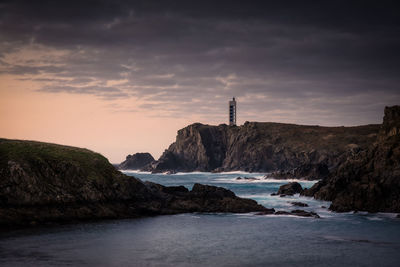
x: 263, y: 147
x: 136, y: 161
x: 368, y: 180
x: 41, y: 182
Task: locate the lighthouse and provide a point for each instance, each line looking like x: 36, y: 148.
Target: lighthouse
x: 232, y: 112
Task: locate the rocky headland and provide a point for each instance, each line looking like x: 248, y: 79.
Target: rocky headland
x: 289, y: 150
x: 42, y: 183
x: 359, y: 167
x: 136, y: 161
x: 368, y: 179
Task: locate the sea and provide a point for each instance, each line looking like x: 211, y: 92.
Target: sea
x: 215, y: 239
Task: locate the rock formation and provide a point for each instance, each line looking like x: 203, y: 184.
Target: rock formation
x: 262, y: 147
x: 290, y: 189
x: 42, y: 182
x: 136, y: 161
x: 299, y: 204
x: 306, y: 172
x: 369, y: 179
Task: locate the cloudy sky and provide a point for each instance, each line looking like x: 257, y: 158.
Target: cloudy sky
x: 120, y: 78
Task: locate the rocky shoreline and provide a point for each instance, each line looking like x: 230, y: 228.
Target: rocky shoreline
x: 43, y: 183
x: 358, y: 167
x: 368, y: 180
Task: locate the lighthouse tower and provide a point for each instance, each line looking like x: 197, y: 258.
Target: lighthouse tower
x: 232, y: 112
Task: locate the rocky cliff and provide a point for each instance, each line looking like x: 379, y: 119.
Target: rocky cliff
x: 42, y: 182
x: 262, y: 147
x: 368, y: 180
x: 136, y: 161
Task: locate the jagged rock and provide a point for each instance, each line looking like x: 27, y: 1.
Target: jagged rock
x: 136, y: 161
x: 299, y: 204
x: 247, y: 178
x: 41, y: 183
x: 262, y: 147
x: 266, y: 212
x: 369, y: 179
x: 306, y: 171
x: 301, y: 213
x: 168, y: 162
x: 304, y: 213
x: 290, y: 189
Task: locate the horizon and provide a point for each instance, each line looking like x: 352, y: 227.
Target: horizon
x: 120, y: 78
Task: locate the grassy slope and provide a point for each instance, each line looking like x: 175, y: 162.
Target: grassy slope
x: 33, y: 152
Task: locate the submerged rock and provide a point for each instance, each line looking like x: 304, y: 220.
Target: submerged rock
x: 299, y: 204
x: 247, y: 178
x: 304, y: 213
x: 266, y: 212
x: 301, y: 213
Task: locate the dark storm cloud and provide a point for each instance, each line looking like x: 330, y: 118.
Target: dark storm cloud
x: 317, y: 57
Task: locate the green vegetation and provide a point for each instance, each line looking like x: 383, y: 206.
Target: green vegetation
x: 38, y: 154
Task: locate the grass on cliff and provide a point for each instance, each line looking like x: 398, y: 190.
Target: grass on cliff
x: 40, y: 154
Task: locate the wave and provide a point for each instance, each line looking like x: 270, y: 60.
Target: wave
x: 135, y: 171
x: 260, y: 180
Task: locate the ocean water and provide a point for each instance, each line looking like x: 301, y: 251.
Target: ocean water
x: 344, y: 239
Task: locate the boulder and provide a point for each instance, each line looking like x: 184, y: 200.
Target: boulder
x: 290, y: 189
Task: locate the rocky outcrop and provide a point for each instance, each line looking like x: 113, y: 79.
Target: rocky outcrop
x: 262, y: 147
x: 301, y: 213
x: 306, y: 172
x: 41, y: 183
x: 368, y: 180
x: 290, y: 189
x: 136, y: 161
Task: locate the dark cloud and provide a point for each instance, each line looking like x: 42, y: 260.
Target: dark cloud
x: 311, y: 61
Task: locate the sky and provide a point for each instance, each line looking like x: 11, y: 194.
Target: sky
x: 120, y: 77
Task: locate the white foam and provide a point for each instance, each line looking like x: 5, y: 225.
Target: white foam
x: 260, y: 180
x: 135, y: 171
x: 375, y: 218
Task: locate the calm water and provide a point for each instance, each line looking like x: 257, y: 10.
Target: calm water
x: 214, y: 239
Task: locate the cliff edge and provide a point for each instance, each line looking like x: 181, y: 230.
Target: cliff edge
x: 368, y: 180
x: 261, y: 147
